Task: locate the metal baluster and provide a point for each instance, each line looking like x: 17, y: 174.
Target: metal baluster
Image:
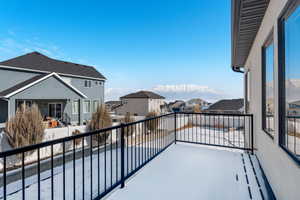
x: 64, y: 170
x: 39, y: 173
x: 82, y: 146
x: 91, y: 165
x: 74, y: 173
x: 23, y: 175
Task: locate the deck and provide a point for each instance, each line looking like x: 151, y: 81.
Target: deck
x: 196, y: 172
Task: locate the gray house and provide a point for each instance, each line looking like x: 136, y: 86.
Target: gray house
x: 66, y: 91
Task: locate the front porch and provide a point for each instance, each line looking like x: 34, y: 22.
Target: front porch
x: 51, y: 110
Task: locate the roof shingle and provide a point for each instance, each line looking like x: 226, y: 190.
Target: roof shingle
x: 40, y: 62
x: 143, y: 94
x: 227, y: 105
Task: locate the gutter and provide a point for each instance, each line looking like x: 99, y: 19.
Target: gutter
x: 237, y: 69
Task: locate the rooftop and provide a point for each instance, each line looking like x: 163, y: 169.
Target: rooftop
x: 143, y: 94
x: 38, y: 62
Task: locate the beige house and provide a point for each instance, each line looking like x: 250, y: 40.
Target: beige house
x: 140, y: 103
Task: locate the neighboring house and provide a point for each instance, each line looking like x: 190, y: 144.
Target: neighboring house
x: 294, y: 108
x: 112, y: 105
x: 227, y: 106
x: 66, y: 91
x: 265, y: 48
x: 140, y: 103
x: 177, y: 106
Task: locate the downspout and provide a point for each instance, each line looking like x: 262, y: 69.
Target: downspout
x: 238, y: 69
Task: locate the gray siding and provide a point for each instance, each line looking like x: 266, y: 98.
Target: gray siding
x: 95, y: 92
x: 9, y: 78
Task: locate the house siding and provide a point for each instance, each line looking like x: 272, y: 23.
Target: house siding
x: 139, y: 106
x: 9, y: 78
x: 56, y: 91
x: 282, y: 172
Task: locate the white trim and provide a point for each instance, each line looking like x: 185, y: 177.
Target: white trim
x: 41, y: 79
x: 86, y: 112
x: 40, y: 71
x: 77, y: 109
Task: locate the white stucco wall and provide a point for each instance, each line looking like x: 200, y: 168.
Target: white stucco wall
x: 282, y: 172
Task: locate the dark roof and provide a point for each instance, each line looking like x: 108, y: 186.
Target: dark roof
x: 246, y: 19
x: 21, y: 85
x: 143, y: 94
x: 227, y: 105
x: 40, y: 62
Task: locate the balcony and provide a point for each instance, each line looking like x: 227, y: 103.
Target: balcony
x: 173, y: 156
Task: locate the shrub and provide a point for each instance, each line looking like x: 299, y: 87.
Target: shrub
x: 100, y: 119
x: 197, y: 108
x: 127, y: 119
x: 77, y: 141
x: 151, y: 124
x: 26, y: 127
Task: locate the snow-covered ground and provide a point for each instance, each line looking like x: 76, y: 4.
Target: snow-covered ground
x: 194, y: 172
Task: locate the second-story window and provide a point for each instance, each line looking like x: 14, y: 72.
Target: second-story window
x: 87, y: 83
x: 268, y: 86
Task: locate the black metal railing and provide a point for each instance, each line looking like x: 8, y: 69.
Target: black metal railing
x: 292, y: 135
x: 223, y: 130
x: 90, y: 165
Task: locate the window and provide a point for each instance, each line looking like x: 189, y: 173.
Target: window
x: 268, y: 86
x: 289, y: 81
x: 87, y: 83
x: 55, y: 110
x: 75, y: 107
x: 95, y: 105
x: 28, y: 103
x: 86, y: 106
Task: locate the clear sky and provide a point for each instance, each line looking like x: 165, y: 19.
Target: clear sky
x: 178, y: 48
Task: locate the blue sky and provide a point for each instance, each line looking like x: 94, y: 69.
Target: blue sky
x: 178, y: 48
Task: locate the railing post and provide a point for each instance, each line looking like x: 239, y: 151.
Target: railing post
x: 252, y: 139
x: 175, y: 127
x: 122, y: 156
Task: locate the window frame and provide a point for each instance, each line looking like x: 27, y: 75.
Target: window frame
x: 84, y: 107
x: 288, y: 10
x: 268, y: 42
x: 87, y: 83
x: 73, y: 103
x: 98, y: 104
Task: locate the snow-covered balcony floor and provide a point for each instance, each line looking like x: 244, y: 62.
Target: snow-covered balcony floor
x: 196, y: 172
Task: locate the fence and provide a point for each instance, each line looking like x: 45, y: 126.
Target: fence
x: 90, y: 165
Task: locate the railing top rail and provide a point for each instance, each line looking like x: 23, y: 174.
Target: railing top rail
x: 221, y: 114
